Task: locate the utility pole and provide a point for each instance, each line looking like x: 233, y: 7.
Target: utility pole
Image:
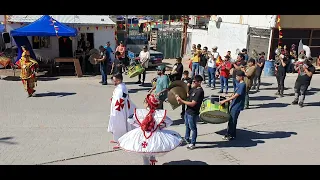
x: 185, y: 33
x: 127, y: 29
x: 162, y: 24
x: 169, y: 21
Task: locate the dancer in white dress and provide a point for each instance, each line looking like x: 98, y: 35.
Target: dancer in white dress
x: 121, y: 108
x: 151, y: 139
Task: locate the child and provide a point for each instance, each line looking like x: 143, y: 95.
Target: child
x: 186, y: 79
x: 237, y: 105
x: 116, y: 65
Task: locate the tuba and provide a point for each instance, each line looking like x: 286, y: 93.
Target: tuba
x: 179, y: 88
x: 304, y: 48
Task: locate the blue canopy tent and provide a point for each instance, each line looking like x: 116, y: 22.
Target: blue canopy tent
x: 44, y: 26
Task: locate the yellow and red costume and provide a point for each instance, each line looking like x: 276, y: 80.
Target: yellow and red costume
x: 28, y: 72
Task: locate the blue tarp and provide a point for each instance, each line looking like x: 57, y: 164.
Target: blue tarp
x: 41, y: 27
x: 44, y: 27
x: 2, y: 27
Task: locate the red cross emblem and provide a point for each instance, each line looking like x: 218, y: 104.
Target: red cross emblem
x: 120, y: 104
x: 144, y: 144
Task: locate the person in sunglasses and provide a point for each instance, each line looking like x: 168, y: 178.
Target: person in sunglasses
x: 193, y: 103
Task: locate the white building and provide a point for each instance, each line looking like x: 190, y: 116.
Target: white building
x: 97, y: 29
x: 235, y: 32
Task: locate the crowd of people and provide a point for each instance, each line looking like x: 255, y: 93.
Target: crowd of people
x: 151, y: 138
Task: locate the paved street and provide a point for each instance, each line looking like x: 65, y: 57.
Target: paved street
x: 66, y: 123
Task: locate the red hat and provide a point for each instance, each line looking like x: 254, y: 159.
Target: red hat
x: 152, y: 101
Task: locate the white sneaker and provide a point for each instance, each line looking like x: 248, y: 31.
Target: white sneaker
x: 191, y: 147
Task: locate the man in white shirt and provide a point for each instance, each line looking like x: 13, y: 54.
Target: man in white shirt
x: 211, y: 64
x: 144, y: 61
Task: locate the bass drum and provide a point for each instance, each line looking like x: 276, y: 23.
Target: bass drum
x: 214, y: 113
x: 134, y: 70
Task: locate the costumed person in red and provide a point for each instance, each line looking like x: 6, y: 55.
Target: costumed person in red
x: 121, y: 108
x: 151, y: 139
x: 28, y: 71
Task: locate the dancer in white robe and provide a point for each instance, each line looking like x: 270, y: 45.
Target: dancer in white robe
x: 151, y: 139
x: 121, y: 108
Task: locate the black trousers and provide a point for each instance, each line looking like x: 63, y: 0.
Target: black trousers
x: 281, y: 76
x: 300, y: 91
x: 143, y: 76
x: 257, y: 79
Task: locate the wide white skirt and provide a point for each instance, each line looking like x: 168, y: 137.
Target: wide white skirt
x: 158, y: 144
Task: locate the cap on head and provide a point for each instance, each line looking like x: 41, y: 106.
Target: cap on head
x: 161, y: 68
x: 240, y: 73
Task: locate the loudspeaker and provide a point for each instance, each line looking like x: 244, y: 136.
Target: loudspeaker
x: 6, y: 37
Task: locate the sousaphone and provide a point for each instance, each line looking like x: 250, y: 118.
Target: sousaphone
x: 177, y: 88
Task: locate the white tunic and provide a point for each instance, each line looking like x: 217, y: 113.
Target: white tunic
x: 121, y: 108
x: 155, y: 143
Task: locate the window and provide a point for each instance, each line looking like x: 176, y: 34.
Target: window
x: 315, y: 51
x: 40, y: 42
x: 316, y: 34
x: 315, y: 42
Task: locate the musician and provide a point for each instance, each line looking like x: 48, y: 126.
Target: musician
x: 144, y: 61
x: 121, y: 108
x: 245, y: 53
x: 281, y: 73
x: 292, y: 58
x: 196, y: 96
x: 161, y: 89
x: 116, y: 67
x: 28, y: 71
x: 177, y: 70
x: 224, y: 70
x: 122, y: 49
x: 306, y: 71
x: 237, y: 105
x: 186, y: 79
x: 103, y: 64
x: 237, y: 67
x: 250, y: 72
x: 259, y: 68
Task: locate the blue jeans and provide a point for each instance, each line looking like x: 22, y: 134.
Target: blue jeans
x: 191, y: 125
x: 212, y: 76
x: 195, y: 68
x: 103, y: 71
x: 224, y: 83
x: 232, y: 124
x: 235, y: 83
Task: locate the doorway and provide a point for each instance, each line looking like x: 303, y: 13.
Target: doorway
x: 65, y: 47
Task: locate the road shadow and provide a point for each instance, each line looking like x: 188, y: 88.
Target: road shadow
x: 137, y: 90
x: 246, y: 138
x: 273, y: 88
x: 265, y: 84
x: 7, y: 140
x: 59, y: 94
x: 40, y: 78
x: 312, y: 104
x: 312, y: 91
x: 177, y: 122
x: 269, y: 105
x: 263, y: 98
x: 185, y: 162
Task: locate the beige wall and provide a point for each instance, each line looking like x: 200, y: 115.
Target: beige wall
x: 300, y: 21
